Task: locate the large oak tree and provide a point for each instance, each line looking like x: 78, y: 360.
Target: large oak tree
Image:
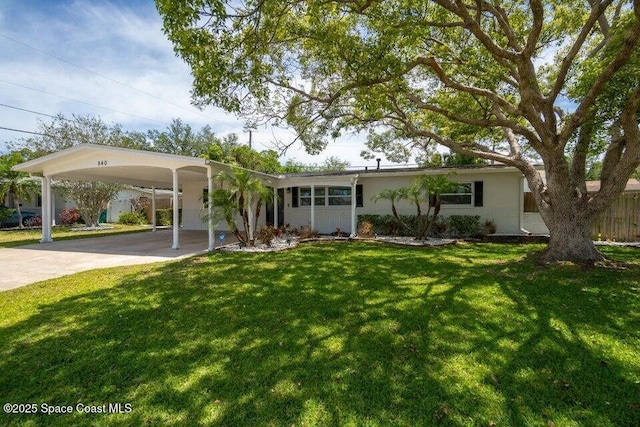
x: 507, y: 81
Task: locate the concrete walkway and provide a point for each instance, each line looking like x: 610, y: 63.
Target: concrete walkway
x: 22, y: 265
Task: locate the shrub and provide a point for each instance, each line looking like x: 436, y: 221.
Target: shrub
x: 388, y: 225
x: 490, y: 227
x: 164, y: 216
x: 132, y: 218
x: 5, y: 214
x: 365, y: 229
x: 35, y: 221
x: 307, y: 232
x: 69, y: 216
x: 265, y: 234
x: 464, y: 225
x: 439, y: 227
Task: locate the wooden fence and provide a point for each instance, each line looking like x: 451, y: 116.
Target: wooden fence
x: 621, y: 222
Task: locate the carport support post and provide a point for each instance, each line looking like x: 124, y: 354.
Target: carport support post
x: 275, y: 207
x: 209, y: 202
x: 176, y: 211
x: 46, y: 210
x: 153, y: 208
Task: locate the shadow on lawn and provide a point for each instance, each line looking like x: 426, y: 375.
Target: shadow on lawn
x: 331, y: 334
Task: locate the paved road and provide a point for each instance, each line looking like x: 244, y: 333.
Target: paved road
x: 22, y: 265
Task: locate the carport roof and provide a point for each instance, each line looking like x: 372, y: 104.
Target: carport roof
x: 114, y: 164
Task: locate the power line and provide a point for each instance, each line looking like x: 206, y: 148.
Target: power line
x: 105, y: 77
x: 82, y: 102
x: 23, y: 131
x: 28, y: 111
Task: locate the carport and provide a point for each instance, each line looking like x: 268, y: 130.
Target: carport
x: 92, y: 162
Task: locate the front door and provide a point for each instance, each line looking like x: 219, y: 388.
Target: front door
x: 280, y: 210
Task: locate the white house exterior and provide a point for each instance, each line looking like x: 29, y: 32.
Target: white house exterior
x: 324, y: 201
x: 494, y: 193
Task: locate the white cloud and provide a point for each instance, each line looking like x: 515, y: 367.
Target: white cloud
x: 125, y: 43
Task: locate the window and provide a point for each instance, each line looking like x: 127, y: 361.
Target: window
x: 461, y: 196
x: 530, y: 204
x: 305, y: 196
x: 325, y: 196
x: 339, y: 196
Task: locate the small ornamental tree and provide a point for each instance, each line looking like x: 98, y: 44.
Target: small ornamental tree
x: 508, y: 81
x: 91, y: 197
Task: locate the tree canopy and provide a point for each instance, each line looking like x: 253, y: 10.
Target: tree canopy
x: 502, y: 80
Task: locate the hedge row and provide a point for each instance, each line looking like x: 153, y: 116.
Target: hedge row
x: 454, y: 226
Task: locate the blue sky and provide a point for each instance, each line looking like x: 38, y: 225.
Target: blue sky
x: 123, y: 41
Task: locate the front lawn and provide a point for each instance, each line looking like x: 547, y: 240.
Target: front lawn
x: 331, y: 334
x: 16, y: 237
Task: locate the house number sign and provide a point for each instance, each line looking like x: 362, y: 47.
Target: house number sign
x: 102, y: 163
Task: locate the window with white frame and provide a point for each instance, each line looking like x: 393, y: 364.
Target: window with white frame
x: 339, y: 196
x: 463, y: 195
x: 326, y: 196
x: 331, y: 196
x: 319, y: 196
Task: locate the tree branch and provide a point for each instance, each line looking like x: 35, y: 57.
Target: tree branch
x: 459, y: 9
x: 501, y: 121
x: 629, y: 44
x: 537, y: 10
x: 447, y: 81
x: 622, y: 156
x: 595, y: 14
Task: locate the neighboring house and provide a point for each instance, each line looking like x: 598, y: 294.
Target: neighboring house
x: 126, y: 200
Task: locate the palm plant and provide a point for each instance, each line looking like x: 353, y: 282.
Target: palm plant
x: 393, y: 195
x: 240, y: 193
x: 16, y: 184
x: 424, y: 188
x: 433, y: 186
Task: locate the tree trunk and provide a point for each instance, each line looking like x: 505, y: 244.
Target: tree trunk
x: 570, y: 240
x: 568, y: 212
x: 18, y: 212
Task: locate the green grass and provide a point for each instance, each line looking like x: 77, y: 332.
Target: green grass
x: 16, y: 237
x: 332, y: 334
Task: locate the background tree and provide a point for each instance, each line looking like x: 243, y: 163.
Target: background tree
x: 485, y: 79
x: 91, y: 197
x: 63, y: 132
x: 181, y: 139
x: 229, y: 150
x: 20, y: 186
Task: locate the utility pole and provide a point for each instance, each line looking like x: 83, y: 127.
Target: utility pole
x: 250, y: 138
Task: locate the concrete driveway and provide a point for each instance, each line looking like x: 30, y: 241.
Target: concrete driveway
x: 22, y: 265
